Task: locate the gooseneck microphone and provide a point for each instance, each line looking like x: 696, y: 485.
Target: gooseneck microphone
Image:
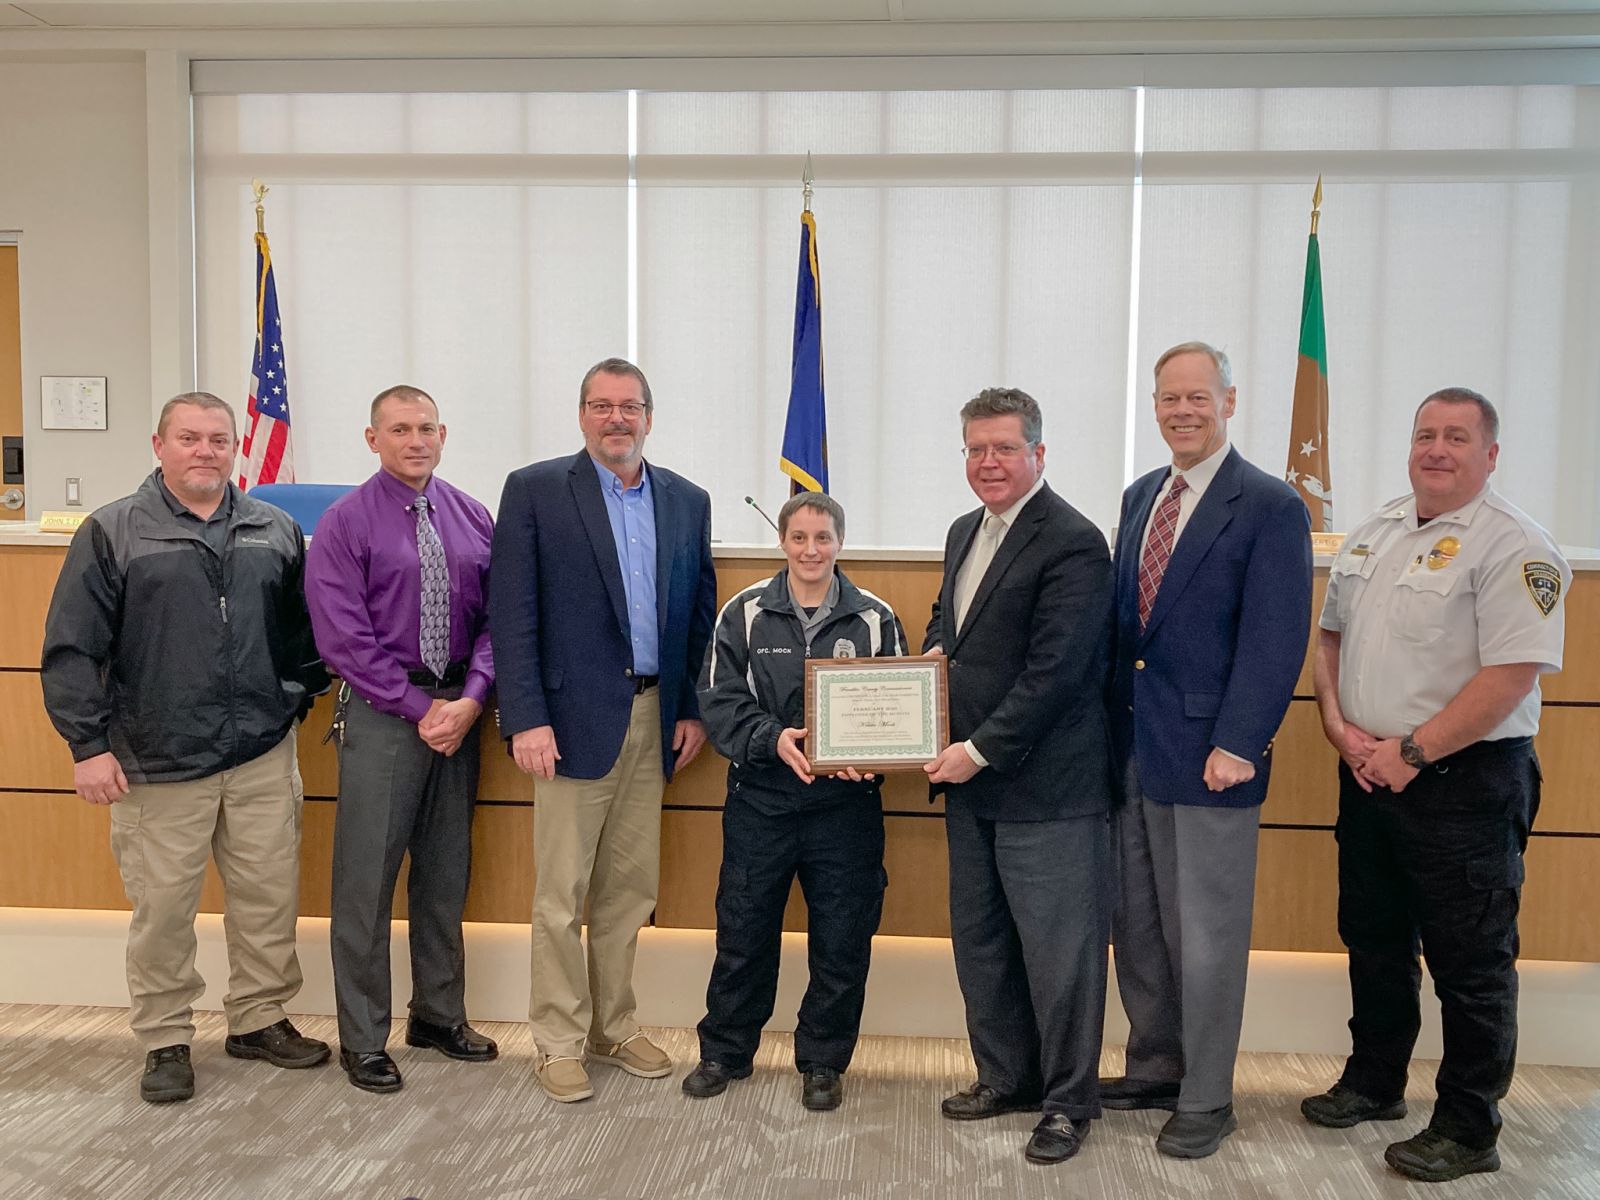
x: 750, y: 500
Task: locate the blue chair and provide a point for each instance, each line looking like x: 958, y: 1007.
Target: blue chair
x: 305, y: 502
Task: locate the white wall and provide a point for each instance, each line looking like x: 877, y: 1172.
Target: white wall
x: 73, y: 182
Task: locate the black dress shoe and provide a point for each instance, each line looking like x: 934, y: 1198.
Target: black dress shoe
x: 1434, y: 1158
x: 371, y: 1070
x: 453, y: 1041
x: 281, y: 1044
x: 167, y: 1075
x: 1127, y: 1093
x: 1339, y: 1108
x: 980, y: 1101
x: 1196, y: 1134
x: 712, y: 1078
x: 1056, y: 1139
x: 821, y: 1090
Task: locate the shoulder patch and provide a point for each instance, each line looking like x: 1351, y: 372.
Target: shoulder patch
x: 1544, y: 584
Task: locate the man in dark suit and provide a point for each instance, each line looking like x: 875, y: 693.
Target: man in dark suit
x: 1024, y: 614
x: 1213, y: 582
x: 601, y: 601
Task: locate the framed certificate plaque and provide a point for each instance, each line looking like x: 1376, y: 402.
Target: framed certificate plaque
x: 876, y: 714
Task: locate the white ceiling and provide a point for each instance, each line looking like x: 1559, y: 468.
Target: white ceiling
x: 359, y: 14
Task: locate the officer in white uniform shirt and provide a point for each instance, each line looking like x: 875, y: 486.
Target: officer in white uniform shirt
x: 1443, y: 609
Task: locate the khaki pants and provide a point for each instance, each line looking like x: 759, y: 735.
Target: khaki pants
x: 248, y: 819
x: 595, y: 840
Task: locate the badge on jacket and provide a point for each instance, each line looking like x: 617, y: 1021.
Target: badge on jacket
x: 844, y: 648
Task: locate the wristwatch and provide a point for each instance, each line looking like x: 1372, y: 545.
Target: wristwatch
x: 1412, y: 754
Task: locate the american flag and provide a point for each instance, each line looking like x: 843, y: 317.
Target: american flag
x: 268, y: 452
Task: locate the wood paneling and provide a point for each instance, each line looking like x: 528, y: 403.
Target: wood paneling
x: 1297, y: 891
x: 32, y: 754
x: 1304, y: 788
x: 1297, y: 895
x: 1568, y: 742
x: 502, y: 850
x: 1558, y: 910
x: 691, y: 855
x: 502, y: 864
x: 1579, y: 678
x: 1319, y: 589
x: 56, y: 853
x: 1305, y: 784
x: 27, y: 578
x: 917, y: 903
x: 10, y: 362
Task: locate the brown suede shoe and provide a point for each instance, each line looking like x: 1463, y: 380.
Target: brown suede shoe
x: 637, y: 1056
x: 564, y: 1080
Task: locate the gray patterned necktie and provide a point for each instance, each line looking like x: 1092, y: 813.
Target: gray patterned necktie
x: 434, y: 627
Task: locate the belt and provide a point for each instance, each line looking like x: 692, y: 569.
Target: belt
x: 1479, y: 749
x: 643, y: 683
x: 454, y: 676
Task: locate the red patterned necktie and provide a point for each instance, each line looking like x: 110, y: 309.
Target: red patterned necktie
x: 1158, y: 548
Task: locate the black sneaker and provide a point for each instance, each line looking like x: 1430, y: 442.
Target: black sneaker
x: 167, y: 1075
x: 711, y: 1079
x: 821, y: 1089
x: 1339, y: 1108
x: 281, y: 1044
x: 1434, y: 1158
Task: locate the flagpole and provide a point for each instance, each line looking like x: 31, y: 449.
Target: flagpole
x: 1308, y: 469
x: 266, y: 451
x: 804, y: 454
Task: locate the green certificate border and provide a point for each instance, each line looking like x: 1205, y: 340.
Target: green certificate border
x: 924, y: 751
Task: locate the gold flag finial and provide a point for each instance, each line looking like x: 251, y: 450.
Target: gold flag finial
x: 806, y: 179
x: 1316, y: 206
x: 260, y: 190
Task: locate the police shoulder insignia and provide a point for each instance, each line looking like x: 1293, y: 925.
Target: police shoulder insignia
x: 844, y: 648
x: 1544, y: 584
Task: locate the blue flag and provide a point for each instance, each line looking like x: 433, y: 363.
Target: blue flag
x: 805, y: 433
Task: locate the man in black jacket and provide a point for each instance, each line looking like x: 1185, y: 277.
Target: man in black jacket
x: 1024, y: 613
x: 781, y: 821
x: 177, y: 658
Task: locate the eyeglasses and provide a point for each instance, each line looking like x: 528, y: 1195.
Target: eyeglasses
x: 1004, y: 452
x: 604, y: 408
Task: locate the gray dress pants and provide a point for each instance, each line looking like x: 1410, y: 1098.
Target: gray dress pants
x: 1186, y: 896
x: 398, y: 795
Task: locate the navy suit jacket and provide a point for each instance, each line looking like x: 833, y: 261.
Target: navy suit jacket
x: 558, y: 612
x: 1217, y: 663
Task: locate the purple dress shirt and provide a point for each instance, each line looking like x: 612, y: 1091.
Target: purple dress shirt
x: 364, y: 590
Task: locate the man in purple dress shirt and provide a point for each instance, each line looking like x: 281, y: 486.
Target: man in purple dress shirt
x: 397, y: 580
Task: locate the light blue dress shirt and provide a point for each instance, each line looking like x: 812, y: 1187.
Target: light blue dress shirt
x: 632, y: 512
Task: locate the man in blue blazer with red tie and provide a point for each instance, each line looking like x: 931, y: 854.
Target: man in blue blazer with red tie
x: 1213, y: 611
x: 601, y: 598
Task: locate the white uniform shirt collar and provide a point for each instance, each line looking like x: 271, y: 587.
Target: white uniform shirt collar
x: 1406, y: 510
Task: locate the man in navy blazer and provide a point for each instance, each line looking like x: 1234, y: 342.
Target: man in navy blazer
x: 1213, y: 587
x: 601, y: 600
